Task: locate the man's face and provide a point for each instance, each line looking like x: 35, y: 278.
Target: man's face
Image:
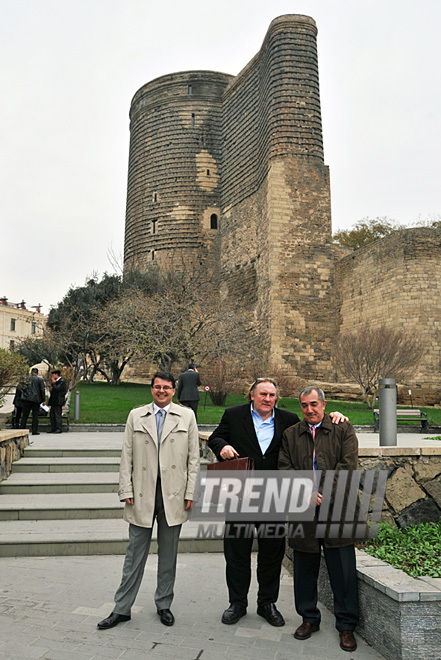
x: 313, y: 409
x: 162, y: 392
x: 264, y: 399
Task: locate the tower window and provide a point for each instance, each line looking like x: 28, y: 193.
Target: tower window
x: 12, y: 324
x: 33, y: 328
x: 155, y: 197
x: 208, y: 172
x: 153, y: 255
x: 190, y: 89
x: 213, y: 221
x: 192, y: 119
x: 154, y: 226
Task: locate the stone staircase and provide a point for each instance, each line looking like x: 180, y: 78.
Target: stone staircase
x: 61, y: 500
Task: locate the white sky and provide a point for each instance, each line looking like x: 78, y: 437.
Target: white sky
x: 71, y: 67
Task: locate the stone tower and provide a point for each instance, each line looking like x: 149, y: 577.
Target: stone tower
x: 173, y: 197
x: 230, y: 170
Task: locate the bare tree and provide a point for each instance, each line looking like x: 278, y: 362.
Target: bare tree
x: 370, y: 353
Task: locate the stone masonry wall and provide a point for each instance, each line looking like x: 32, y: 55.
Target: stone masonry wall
x: 276, y: 220
x: 397, y: 281
x: 174, y: 169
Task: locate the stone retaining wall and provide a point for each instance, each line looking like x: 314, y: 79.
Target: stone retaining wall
x: 12, y: 444
x: 413, y: 492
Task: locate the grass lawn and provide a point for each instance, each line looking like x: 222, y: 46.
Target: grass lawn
x: 101, y: 403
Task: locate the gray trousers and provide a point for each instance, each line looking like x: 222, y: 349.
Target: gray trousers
x: 136, y: 558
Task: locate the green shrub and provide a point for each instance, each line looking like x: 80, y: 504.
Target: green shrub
x: 415, y: 549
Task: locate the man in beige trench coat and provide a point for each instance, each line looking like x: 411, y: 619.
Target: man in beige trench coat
x: 159, y: 465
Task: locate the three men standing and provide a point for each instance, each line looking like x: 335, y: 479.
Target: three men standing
x: 159, y: 464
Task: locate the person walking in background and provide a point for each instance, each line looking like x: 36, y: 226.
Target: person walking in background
x: 32, y: 396
x: 188, y: 393
x: 56, y: 401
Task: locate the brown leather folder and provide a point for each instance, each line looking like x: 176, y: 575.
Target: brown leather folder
x: 233, y: 464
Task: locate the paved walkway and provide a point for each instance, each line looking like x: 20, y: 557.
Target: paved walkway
x: 49, y: 608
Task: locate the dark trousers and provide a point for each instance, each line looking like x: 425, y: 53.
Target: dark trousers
x: 27, y: 407
x: 193, y: 405
x: 16, y: 417
x: 237, y: 551
x: 55, y: 417
x: 340, y: 563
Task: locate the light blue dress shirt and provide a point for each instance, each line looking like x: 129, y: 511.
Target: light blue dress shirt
x: 264, y: 429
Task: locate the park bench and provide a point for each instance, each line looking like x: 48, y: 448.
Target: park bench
x: 405, y: 415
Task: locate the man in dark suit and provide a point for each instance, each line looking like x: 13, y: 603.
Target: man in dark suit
x: 56, y: 401
x: 32, y: 396
x: 254, y: 430
x: 188, y: 393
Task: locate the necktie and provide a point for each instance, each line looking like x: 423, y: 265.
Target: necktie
x: 160, y: 417
x: 314, y: 458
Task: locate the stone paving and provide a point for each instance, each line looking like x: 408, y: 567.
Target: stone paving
x: 49, y: 608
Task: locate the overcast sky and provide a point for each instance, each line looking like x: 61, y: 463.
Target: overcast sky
x: 69, y: 69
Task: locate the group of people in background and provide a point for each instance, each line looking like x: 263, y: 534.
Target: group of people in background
x: 31, y: 396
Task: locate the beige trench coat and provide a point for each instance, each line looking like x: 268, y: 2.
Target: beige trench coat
x: 179, y: 464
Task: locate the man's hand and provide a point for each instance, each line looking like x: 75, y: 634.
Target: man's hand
x: 187, y: 505
x: 315, y: 499
x: 129, y: 500
x: 228, y: 452
x: 337, y: 417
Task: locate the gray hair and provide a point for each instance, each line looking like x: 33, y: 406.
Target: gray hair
x: 311, y: 388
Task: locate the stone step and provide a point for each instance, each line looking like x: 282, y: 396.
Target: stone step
x: 25, y: 538
x: 67, y: 464
x: 72, y: 452
x: 52, y: 483
x: 62, y: 507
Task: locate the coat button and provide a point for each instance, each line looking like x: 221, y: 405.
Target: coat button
x: 144, y: 469
x: 172, y: 440
x: 173, y: 467
x: 146, y: 442
x: 140, y: 494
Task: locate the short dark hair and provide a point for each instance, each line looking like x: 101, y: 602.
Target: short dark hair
x: 192, y: 365
x: 57, y: 371
x: 164, y: 376
x: 34, y: 370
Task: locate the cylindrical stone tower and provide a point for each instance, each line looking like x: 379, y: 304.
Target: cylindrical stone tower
x: 173, y: 195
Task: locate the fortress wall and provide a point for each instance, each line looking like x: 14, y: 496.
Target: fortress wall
x: 397, y: 281
x: 276, y: 219
x: 174, y: 168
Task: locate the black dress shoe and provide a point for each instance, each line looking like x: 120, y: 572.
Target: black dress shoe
x: 305, y: 630
x: 166, y: 617
x: 35, y: 433
x: 57, y: 431
x: 271, y: 614
x: 112, y: 621
x: 233, y: 613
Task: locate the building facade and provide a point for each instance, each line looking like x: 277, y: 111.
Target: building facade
x: 18, y: 322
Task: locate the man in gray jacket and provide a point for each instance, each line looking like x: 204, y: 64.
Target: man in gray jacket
x: 159, y: 465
